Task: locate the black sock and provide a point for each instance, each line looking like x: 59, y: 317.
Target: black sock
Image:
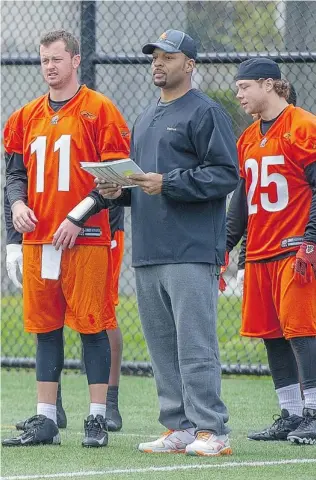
x: 112, y: 396
x: 59, y: 399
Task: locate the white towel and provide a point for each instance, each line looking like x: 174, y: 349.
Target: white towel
x: 51, y: 260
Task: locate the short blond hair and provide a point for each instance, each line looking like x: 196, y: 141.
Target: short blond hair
x: 71, y: 43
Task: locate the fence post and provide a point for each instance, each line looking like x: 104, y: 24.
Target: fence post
x: 88, y: 43
x: 87, y: 46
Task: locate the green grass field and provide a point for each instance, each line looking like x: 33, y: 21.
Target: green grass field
x: 251, y: 402
x: 16, y: 343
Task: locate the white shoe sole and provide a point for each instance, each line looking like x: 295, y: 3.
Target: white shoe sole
x: 201, y: 453
x: 148, y: 450
x: 302, y: 441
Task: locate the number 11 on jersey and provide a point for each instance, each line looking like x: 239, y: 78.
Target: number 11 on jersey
x: 63, y: 146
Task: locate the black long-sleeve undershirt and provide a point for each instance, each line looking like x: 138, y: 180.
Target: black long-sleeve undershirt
x: 237, y: 216
x: 16, y: 178
x: 12, y: 235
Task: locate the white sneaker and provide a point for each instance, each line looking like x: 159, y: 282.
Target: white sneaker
x: 208, y: 444
x: 172, y: 441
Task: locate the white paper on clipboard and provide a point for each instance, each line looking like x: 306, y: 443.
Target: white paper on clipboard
x: 115, y: 171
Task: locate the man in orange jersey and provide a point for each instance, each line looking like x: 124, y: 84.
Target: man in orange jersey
x: 14, y: 263
x: 233, y: 237
x: 46, y: 142
x: 276, y: 202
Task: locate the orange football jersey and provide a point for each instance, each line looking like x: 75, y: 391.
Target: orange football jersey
x: 88, y: 128
x: 278, y: 194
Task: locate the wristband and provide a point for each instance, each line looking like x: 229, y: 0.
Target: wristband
x: 80, y: 214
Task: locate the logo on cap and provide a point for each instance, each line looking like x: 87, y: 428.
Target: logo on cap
x: 163, y: 36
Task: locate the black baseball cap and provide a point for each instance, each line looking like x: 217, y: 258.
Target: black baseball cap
x: 173, y: 41
x: 256, y: 68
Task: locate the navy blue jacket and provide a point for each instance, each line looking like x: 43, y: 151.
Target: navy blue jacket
x: 190, y: 142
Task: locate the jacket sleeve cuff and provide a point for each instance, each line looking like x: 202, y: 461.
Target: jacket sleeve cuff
x: 165, y: 184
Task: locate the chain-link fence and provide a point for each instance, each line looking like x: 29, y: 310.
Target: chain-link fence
x: 111, y: 35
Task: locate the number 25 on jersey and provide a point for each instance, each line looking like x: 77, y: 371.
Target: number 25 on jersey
x: 261, y: 178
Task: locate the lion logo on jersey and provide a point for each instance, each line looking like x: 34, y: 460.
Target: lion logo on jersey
x: 124, y: 133
x: 310, y: 249
x: 88, y: 115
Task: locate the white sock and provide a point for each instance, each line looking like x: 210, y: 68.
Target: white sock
x: 310, y: 398
x: 97, y: 409
x: 48, y: 410
x: 290, y: 398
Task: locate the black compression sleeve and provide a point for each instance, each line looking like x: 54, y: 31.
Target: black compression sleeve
x: 282, y: 362
x: 101, y: 202
x: 12, y: 235
x: 49, y: 356
x: 310, y: 230
x: 304, y: 349
x: 123, y: 200
x: 242, y: 253
x: 237, y: 216
x: 16, y: 177
x: 97, y: 357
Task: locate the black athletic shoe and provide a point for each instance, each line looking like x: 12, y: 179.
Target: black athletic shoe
x: 41, y: 431
x: 283, y: 424
x: 113, y: 417
x: 28, y: 423
x: 306, y: 431
x: 95, y: 432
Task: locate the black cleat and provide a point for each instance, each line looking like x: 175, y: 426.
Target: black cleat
x: 61, y: 420
x: 41, y: 431
x: 283, y: 424
x: 305, y: 433
x: 95, y: 432
x: 113, y: 417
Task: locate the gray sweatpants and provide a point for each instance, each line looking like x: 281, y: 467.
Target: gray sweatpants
x: 178, y: 310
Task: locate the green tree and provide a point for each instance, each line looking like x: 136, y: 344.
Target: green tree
x: 235, y: 26
x: 228, y: 100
